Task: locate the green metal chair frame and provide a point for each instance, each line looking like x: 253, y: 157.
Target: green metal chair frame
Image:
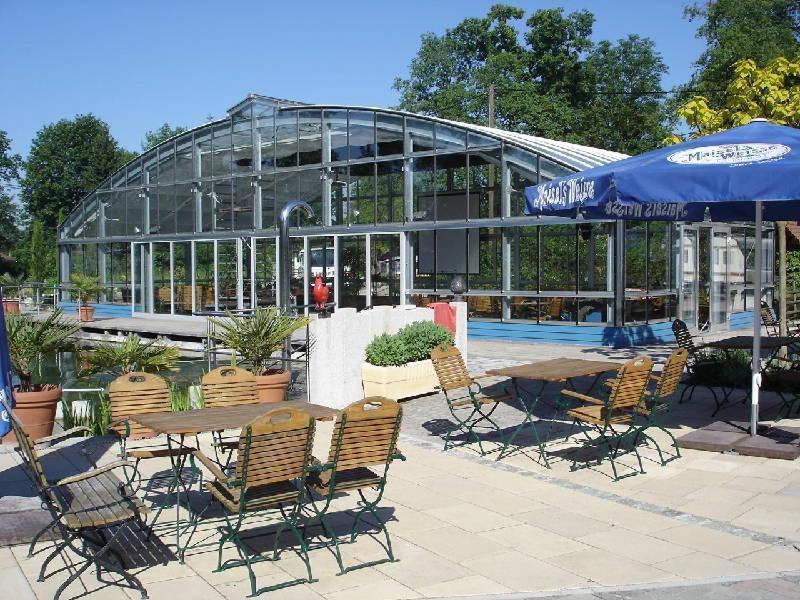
x: 695, y: 360
x: 471, y: 409
x: 626, y: 394
x: 88, y: 510
x: 784, y: 381
x: 273, y: 461
x: 364, y: 436
x: 657, y: 402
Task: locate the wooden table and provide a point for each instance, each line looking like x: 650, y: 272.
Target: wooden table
x: 745, y: 342
x: 177, y: 425
x: 546, y: 372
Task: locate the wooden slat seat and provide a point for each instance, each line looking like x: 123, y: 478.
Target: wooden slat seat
x: 598, y: 415
x: 158, y: 452
x: 261, y: 497
x: 98, y: 502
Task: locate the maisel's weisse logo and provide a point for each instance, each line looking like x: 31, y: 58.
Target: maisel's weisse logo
x: 728, y: 154
x: 674, y: 211
x: 563, y: 194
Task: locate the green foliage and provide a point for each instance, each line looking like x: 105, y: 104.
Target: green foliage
x: 550, y: 78
x: 255, y: 338
x: 132, y: 354
x: 179, y: 397
x: 9, y: 220
x: 793, y: 269
x: 730, y: 369
x: 86, y: 287
x: 413, y: 342
x: 97, y: 418
x: 36, y: 264
x: 162, y: 134
x: 29, y: 339
x: 67, y: 160
x: 11, y: 285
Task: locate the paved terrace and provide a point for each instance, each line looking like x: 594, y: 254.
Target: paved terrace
x: 704, y: 526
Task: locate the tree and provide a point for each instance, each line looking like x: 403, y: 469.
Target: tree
x: 162, y: 134
x: 37, y: 261
x: 67, y: 160
x: 550, y: 78
x: 9, y: 221
x: 761, y: 30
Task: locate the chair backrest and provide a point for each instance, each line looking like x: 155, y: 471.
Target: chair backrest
x: 229, y: 386
x: 450, y: 368
x: 365, y: 434
x: 556, y: 306
x: 769, y: 321
x: 683, y: 337
x: 275, y: 447
x: 29, y: 454
x: 627, y: 389
x: 137, y: 393
x: 672, y: 373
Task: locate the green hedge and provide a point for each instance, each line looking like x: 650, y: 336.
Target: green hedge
x: 412, y: 343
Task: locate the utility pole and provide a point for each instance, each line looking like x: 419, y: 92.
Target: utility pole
x: 780, y: 226
x: 490, y: 109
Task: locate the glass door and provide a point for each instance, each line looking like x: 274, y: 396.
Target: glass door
x: 720, y: 295
x: 142, y: 278
x: 688, y: 275
x: 704, y: 279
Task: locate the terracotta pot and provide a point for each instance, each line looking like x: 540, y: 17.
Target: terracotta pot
x: 272, y: 387
x: 37, y: 411
x: 11, y: 307
x: 85, y: 313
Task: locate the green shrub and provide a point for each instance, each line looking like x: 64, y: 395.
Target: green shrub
x: 422, y: 337
x: 731, y: 369
x: 412, y: 343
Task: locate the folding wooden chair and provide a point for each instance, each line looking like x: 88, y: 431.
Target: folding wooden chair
x: 784, y: 379
x: 88, y: 510
x: 695, y: 360
x: 225, y: 387
x: 274, y: 457
x: 470, y: 407
x: 610, y: 415
x: 364, y: 438
x: 657, y: 402
x: 773, y: 326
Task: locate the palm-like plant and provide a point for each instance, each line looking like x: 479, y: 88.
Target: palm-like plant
x: 12, y: 285
x: 86, y: 287
x: 132, y: 354
x: 29, y: 339
x: 255, y: 338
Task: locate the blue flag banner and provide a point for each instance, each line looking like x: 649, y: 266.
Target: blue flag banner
x: 5, y: 374
x: 718, y: 175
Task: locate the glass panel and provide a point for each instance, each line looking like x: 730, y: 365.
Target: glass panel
x: 202, y: 141
x: 184, y: 160
x: 75, y: 260
x: 298, y: 272
x: 266, y: 134
x: 245, y: 257
x: 521, y: 178
x: 310, y: 134
x: 222, y: 196
x: 390, y: 192
x: 549, y: 170
x: 141, y: 265
x: 222, y: 156
x: 204, y: 286
x: 166, y: 163
x: 286, y: 136
x: 523, y: 308
x: 595, y: 310
x: 352, y: 272
x: 736, y: 269
x: 420, y: 134
x: 658, y: 255
x: 266, y: 292
x: 594, y: 241
x: 91, y: 214
x: 184, y: 208
x: 336, y: 128
x: 450, y: 138
x: 558, y: 265
x: 476, y: 140
x: 484, y: 307
x: 719, y: 278
x: 182, y: 277
x: 242, y: 142
x: 118, y: 272
x: 243, y: 203
x: 689, y: 277
x: 115, y: 214
x: 451, y: 189
x: 207, y: 206
x: 422, y: 244
x: 385, y: 268
x: 524, y: 258
x: 151, y: 167
x: 456, y: 254
x: 362, y: 193
x: 635, y: 255
x: 321, y: 263
x: 489, y: 273
x: 134, y: 173
x: 285, y: 190
x: 90, y: 259
x: 227, y: 265
x: 309, y: 188
x: 268, y: 212
x: 389, y: 134
x: 165, y: 215
x: 704, y: 279
x: 484, y: 181
x: 339, y: 192
x: 118, y: 179
x: 424, y: 188
x: 361, y: 134
x: 162, y: 297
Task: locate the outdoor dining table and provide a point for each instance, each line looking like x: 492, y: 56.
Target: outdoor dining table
x: 177, y: 425
x: 557, y: 370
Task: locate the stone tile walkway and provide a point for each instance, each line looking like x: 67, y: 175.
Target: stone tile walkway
x: 708, y: 526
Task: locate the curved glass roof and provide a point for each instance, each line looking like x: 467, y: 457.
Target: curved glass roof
x: 216, y: 167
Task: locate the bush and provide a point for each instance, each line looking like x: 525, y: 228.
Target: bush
x: 731, y: 369
x: 412, y: 343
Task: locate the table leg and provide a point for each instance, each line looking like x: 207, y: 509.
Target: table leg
x: 527, y: 419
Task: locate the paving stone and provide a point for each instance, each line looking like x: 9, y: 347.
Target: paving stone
x: 710, y: 440
x: 781, y: 445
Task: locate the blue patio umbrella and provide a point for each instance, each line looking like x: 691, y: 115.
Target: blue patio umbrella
x: 748, y: 173
x: 5, y: 374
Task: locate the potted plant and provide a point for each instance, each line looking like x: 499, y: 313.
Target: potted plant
x: 86, y: 288
x: 132, y: 354
x: 399, y: 366
x: 11, y: 292
x: 254, y: 339
x: 28, y: 341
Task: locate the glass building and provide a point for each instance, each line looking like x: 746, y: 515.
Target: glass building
x: 403, y: 204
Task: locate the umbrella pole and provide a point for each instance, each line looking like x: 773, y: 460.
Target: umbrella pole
x: 756, y: 380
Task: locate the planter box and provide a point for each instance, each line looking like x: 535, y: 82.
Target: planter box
x: 412, y: 379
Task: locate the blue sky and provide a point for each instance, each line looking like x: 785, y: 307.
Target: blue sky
x: 139, y: 64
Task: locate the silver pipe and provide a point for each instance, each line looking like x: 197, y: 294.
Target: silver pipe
x: 285, y: 249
